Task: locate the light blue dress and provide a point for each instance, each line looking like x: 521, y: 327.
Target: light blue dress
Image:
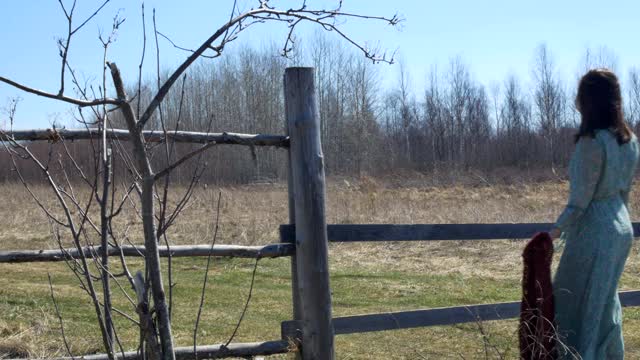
x: 598, y: 234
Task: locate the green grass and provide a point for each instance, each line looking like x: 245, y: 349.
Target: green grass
x: 28, y: 311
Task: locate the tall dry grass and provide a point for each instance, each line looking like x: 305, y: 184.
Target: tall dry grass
x: 251, y: 215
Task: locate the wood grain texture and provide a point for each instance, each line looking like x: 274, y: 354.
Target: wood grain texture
x: 295, y: 295
x: 307, y: 173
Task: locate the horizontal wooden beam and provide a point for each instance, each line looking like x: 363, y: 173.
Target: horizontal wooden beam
x: 242, y: 350
x: 426, y: 232
x: 266, y: 251
x: 150, y: 136
x: 431, y: 317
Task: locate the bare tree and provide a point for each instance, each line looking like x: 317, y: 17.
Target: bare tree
x: 457, y: 101
x: 633, y: 98
x: 433, y: 126
x: 549, y: 100
x: 362, y: 127
x: 406, y: 116
x: 478, y: 129
x: 145, y: 178
x: 515, y: 117
x: 600, y: 57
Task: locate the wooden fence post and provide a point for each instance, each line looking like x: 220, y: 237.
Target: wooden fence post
x: 295, y: 295
x: 307, y: 169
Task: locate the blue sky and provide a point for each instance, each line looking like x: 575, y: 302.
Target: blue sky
x: 494, y: 37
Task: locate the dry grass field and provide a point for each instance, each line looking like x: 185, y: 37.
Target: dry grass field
x: 365, y: 277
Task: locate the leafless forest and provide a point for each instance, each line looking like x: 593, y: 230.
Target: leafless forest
x: 453, y: 125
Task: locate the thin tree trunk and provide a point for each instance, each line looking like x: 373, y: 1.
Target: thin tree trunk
x: 104, y: 232
x: 148, y: 219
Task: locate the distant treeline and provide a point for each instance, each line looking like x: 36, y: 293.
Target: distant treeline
x: 454, y: 124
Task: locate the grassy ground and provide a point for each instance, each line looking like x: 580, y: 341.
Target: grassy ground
x: 364, y: 277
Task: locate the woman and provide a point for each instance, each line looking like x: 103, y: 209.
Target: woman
x: 595, y: 224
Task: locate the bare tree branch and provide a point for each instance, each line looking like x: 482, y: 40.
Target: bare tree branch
x: 64, y: 47
x: 206, y: 276
x: 76, y: 232
x: 166, y: 171
x: 246, y: 304
x: 55, y: 304
x: 183, y: 48
x: 144, y: 50
x: 314, y: 16
x: 82, y: 103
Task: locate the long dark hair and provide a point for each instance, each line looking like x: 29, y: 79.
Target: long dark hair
x: 599, y: 102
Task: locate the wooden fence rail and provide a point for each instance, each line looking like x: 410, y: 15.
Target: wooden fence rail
x: 149, y: 135
x: 255, y: 252
x: 432, y: 317
x: 428, y: 232
x: 234, y: 350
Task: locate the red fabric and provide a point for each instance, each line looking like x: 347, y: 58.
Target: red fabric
x: 537, y: 330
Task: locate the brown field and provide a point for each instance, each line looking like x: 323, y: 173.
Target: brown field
x: 365, y: 277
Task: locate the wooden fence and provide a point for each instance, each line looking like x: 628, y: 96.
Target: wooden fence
x: 436, y: 316
x: 305, y: 240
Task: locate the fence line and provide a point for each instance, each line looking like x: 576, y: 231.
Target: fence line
x: 428, y: 232
x: 239, y: 251
x: 149, y: 135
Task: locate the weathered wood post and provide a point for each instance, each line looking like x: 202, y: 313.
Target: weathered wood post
x: 307, y: 175
x: 295, y: 295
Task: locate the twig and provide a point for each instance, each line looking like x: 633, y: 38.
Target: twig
x: 144, y: 49
x: 485, y: 339
x: 246, y: 304
x: 183, y: 48
x: 81, y: 103
x: 169, y: 273
x: 77, y: 230
x: 55, y: 305
x: 71, y: 31
x: 158, y: 66
x: 166, y: 171
x: 206, y: 277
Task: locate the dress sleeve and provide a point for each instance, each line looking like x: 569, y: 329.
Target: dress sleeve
x: 584, y: 175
